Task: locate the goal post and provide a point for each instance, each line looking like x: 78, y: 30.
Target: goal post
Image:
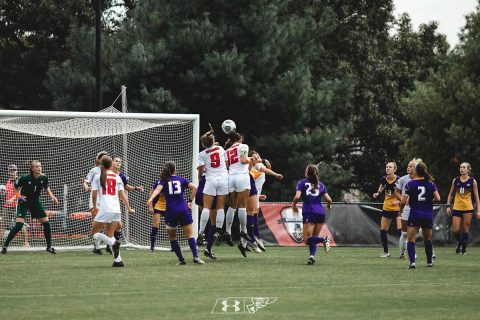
x: 66, y: 144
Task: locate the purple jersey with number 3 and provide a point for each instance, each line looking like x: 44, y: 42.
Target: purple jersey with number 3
x: 173, y: 191
x: 420, y: 193
x: 312, y: 199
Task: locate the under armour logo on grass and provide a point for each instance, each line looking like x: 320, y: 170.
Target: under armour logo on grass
x: 237, y: 305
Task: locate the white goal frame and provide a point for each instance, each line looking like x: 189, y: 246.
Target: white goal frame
x: 194, y: 118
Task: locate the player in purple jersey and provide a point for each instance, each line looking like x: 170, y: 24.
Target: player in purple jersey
x: 311, y: 191
x: 177, y: 212
x: 464, y: 190
x: 420, y: 194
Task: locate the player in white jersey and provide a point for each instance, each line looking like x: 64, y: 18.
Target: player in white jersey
x: 211, y: 161
x: 87, y: 187
x: 238, y: 163
x: 109, y: 188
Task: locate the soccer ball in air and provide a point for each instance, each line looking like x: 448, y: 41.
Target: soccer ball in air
x: 228, y: 126
x: 3, y: 188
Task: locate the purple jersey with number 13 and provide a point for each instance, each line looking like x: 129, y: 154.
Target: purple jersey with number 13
x: 173, y: 191
x: 312, y: 199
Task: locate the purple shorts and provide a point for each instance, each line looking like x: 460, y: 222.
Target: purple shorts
x: 253, y: 187
x: 178, y: 219
x: 390, y: 214
x: 460, y: 213
x: 160, y: 212
x: 420, y: 222
x: 313, y: 217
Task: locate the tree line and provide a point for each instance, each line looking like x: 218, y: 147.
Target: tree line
x: 345, y: 84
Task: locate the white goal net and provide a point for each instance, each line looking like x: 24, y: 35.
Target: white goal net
x: 66, y: 144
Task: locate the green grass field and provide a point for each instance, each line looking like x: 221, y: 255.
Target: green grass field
x: 348, y: 283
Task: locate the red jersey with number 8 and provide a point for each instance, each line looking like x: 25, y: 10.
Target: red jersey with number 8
x: 213, y: 159
x: 108, y: 197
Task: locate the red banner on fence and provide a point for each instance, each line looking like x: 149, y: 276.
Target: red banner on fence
x: 284, y: 227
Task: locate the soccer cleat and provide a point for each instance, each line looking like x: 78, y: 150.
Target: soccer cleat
x: 246, y: 236
x: 411, y: 266
x: 197, y: 260
x: 181, y: 263
x: 326, y: 244
x: 97, y: 251
x: 254, y: 247
x: 116, y: 249
x: 228, y: 239
x: 385, y: 255
x: 402, y: 256
x: 463, y: 252
x: 217, y: 238
x: 310, y: 261
x: 108, y: 249
x: 247, y: 248
x: 430, y: 265
x: 51, y: 250
x: 152, y: 250
x: 261, y: 245
x: 209, y: 254
x: 201, y: 239
x: 459, y: 248
x: 118, y: 264
x: 4, y: 250
x: 242, y: 250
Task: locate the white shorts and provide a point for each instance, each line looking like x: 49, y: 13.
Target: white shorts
x: 259, y: 189
x: 108, y: 217
x: 405, y: 213
x: 239, y: 182
x: 216, y: 185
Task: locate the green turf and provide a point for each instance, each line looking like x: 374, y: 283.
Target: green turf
x: 348, y: 283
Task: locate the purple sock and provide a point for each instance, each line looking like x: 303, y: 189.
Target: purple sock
x: 256, y: 231
x: 211, y: 234
x: 312, y: 244
x: 383, y: 236
x: 464, y: 241
x: 193, y: 246
x: 176, y: 249
x: 118, y: 234
x: 429, y: 250
x: 153, y: 237
x: 458, y: 236
x: 315, y: 240
x: 411, y: 251
x: 250, y: 227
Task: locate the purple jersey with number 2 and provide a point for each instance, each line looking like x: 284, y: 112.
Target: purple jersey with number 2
x: 420, y: 197
x: 173, y: 191
x: 312, y: 199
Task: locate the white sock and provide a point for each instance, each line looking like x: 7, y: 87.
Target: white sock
x: 220, y: 218
x: 203, y: 220
x: 205, y: 212
x: 402, y: 242
x: 102, y: 237
x: 242, y: 217
x: 229, y: 220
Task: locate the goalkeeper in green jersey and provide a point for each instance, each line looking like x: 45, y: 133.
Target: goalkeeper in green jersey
x: 28, y: 189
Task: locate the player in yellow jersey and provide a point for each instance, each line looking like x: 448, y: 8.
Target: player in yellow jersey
x: 157, y: 210
x: 464, y: 189
x: 391, y: 205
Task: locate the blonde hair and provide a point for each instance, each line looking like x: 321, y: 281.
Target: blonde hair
x: 469, y: 167
x: 394, y: 165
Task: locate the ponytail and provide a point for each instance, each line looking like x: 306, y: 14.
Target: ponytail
x: 168, y: 170
x: 421, y: 171
x: 208, y: 139
x: 312, y: 176
x: 105, y: 164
